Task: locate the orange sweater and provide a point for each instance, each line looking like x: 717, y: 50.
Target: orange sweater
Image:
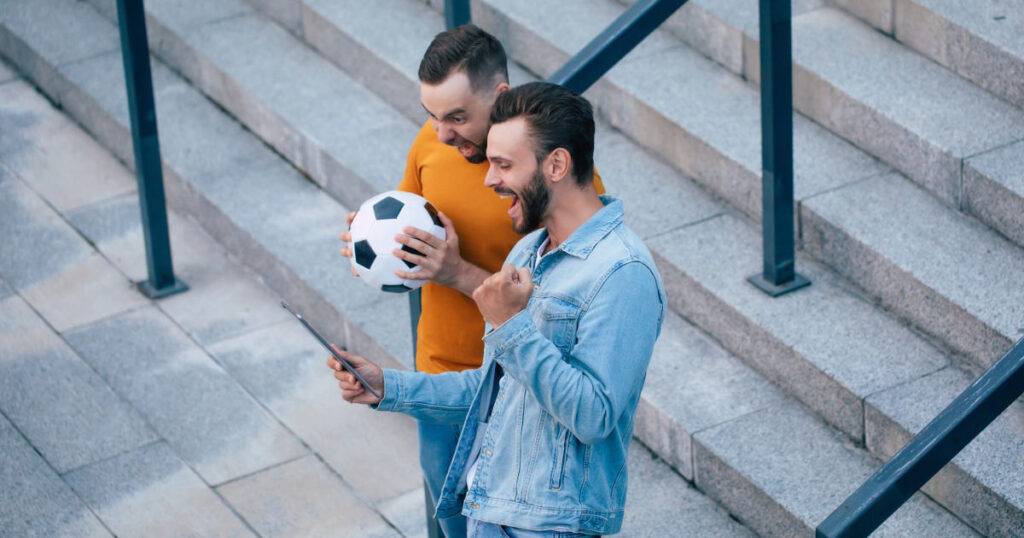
x: 450, y: 328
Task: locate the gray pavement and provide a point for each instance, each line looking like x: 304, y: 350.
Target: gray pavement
x: 205, y: 414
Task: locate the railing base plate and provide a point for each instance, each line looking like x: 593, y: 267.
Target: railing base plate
x: 758, y: 280
x: 147, y: 289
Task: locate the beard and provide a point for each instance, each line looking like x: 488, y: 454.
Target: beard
x: 533, y: 202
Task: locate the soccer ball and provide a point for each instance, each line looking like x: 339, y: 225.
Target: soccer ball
x: 377, y: 223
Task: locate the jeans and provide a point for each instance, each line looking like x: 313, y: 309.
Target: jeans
x: 483, y: 529
x: 437, y: 445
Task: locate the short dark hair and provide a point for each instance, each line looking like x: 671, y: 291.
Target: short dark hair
x: 556, y: 117
x: 467, y: 48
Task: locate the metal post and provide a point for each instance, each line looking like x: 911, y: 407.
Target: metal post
x: 142, y: 109
x: 456, y: 13
x: 779, y: 274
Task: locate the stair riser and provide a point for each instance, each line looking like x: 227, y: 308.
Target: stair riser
x: 995, y: 205
x: 763, y: 352
x: 363, y: 65
x: 903, y: 294
x: 297, y: 147
x: 752, y: 506
x: 963, y: 52
x: 665, y: 437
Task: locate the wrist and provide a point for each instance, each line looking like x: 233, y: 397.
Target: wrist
x: 468, y: 277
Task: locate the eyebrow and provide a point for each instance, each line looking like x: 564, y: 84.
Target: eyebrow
x: 448, y: 115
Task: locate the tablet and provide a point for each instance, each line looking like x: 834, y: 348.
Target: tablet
x: 323, y: 341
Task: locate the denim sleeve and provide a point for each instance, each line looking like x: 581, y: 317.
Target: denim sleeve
x: 443, y: 398
x: 588, y: 391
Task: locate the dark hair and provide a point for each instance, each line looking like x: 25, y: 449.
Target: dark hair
x: 468, y: 48
x: 555, y: 118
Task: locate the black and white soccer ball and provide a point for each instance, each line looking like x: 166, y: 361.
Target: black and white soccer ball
x: 377, y: 223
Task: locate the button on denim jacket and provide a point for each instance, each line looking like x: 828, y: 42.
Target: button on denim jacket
x: 553, y: 454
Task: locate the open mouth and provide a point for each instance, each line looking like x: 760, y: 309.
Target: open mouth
x: 466, y: 148
x: 515, y: 201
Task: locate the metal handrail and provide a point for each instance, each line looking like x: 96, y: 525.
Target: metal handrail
x: 615, y: 42
x: 931, y: 449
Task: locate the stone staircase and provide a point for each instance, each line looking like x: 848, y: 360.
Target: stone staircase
x: 277, y: 115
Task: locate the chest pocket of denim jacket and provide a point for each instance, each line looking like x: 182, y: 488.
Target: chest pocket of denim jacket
x: 555, y: 317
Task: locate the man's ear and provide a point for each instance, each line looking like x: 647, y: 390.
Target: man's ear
x: 558, y: 165
x: 502, y: 87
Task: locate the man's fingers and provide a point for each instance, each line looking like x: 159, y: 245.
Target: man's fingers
x: 350, y: 217
x: 414, y: 259
x: 332, y: 363
x: 524, y: 276
x: 423, y: 236
x: 353, y: 359
x: 412, y: 275
x: 346, y: 252
x: 345, y: 236
x: 414, y: 243
x: 449, y: 226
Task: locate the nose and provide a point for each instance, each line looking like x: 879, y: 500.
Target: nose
x: 490, y: 178
x: 445, y: 133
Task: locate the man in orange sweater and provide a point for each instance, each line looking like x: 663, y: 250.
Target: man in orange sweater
x: 462, y: 73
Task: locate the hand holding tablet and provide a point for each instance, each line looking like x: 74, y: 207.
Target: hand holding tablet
x: 357, y: 366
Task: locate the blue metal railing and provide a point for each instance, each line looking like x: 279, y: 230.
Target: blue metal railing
x: 615, y: 42
x: 142, y: 110
x: 931, y: 449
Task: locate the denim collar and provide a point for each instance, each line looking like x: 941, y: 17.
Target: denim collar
x: 581, y: 241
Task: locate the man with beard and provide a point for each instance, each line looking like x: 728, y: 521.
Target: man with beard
x: 461, y: 74
x: 572, y: 319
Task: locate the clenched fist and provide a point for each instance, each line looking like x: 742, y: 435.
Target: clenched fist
x: 504, y: 294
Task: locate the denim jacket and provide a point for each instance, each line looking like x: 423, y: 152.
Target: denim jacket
x: 553, y: 454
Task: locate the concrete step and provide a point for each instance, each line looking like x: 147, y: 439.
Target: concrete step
x: 981, y: 41
x: 764, y: 456
x: 946, y: 272
x: 697, y: 116
x: 370, y: 50
x: 994, y: 190
x: 856, y: 82
x: 316, y: 116
x: 792, y: 470
x: 267, y: 214
x: 826, y: 345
